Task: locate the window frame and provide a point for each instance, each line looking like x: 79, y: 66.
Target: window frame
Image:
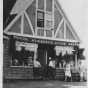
x: 25, y: 66
x: 40, y: 19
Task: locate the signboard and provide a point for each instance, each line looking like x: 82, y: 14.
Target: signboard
x: 43, y: 41
x: 28, y: 46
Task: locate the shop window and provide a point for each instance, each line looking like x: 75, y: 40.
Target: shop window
x: 41, y: 4
x: 63, y: 56
x: 40, y: 19
x: 23, y: 55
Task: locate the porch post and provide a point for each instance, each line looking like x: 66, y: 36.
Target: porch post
x: 76, y: 60
x: 35, y: 52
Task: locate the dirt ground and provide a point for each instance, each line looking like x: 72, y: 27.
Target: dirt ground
x: 43, y: 84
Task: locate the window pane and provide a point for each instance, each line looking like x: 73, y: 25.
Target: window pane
x: 40, y: 23
x: 40, y: 19
x: 23, y: 55
x: 48, y: 5
x: 41, y: 4
x: 40, y: 15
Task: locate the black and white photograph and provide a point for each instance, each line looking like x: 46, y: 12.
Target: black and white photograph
x: 45, y: 44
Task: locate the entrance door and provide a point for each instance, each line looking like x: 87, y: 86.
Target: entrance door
x: 42, y: 56
x: 44, y: 52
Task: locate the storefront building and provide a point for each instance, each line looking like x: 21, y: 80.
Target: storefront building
x: 39, y: 30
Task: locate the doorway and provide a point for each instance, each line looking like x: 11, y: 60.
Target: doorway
x: 44, y: 52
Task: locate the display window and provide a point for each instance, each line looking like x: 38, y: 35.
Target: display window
x: 23, y: 55
x: 64, y: 55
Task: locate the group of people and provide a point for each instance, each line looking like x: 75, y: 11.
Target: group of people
x: 47, y: 71
x: 81, y: 70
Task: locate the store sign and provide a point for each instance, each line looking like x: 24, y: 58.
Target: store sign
x: 43, y: 41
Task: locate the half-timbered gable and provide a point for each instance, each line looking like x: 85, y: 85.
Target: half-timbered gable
x: 43, y: 18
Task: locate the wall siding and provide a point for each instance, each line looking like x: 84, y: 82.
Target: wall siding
x: 13, y: 72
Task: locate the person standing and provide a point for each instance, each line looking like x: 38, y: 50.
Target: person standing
x: 82, y: 71
x: 51, y: 69
x: 37, y: 66
x: 68, y: 72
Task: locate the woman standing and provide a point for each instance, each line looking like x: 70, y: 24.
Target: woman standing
x: 67, y: 71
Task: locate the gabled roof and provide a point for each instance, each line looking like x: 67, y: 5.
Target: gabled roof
x: 21, y: 5
x: 69, y: 23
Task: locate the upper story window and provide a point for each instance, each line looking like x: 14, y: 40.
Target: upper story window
x: 45, y: 18
x: 40, y: 19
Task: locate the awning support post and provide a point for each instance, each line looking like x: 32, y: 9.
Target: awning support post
x: 75, y: 60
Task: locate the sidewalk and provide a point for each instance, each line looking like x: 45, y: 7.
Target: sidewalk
x: 43, y: 84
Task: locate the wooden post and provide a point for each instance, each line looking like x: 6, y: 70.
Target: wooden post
x: 76, y: 60
x: 35, y: 52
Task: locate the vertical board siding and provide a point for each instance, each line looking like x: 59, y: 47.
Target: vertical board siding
x: 57, y: 18
x: 31, y: 11
x: 14, y: 72
x: 19, y: 73
x: 6, y: 57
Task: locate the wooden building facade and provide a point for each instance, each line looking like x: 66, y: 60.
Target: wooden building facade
x: 39, y: 30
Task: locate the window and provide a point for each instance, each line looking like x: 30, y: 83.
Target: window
x: 40, y: 19
x: 45, y: 18
x: 24, y: 54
